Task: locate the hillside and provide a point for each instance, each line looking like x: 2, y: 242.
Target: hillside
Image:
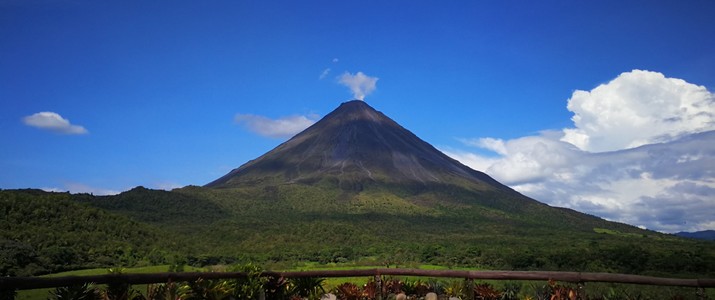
x: 160, y: 208
x: 307, y: 223
x: 297, y: 223
x: 355, y: 186
x: 42, y: 232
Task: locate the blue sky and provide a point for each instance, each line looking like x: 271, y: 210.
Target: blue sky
x: 102, y: 96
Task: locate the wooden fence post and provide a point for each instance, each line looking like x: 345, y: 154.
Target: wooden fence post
x: 469, y: 286
x: 378, y: 287
x: 700, y: 293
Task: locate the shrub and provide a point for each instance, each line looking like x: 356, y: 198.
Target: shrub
x: 76, y: 292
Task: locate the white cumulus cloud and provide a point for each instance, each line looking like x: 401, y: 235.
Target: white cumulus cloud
x: 275, y: 128
x: 667, y: 186
x: 626, y: 168
x: 53, y: 122
x: 638, y: 108
x: 360, y: 84
x: 527, y: 159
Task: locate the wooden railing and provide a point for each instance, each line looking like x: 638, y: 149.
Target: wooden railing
x: 27, y: 283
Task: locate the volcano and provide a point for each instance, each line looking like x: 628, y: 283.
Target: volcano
x: 357, y: 172
x: 357, y: 186
x: 354, y: 146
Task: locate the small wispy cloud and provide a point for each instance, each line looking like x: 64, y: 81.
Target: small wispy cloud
x: 275, y: 128
x: 324, y: 73
x: 54, y: 122
x: 360, y: 84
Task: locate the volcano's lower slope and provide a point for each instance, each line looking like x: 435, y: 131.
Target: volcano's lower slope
x: 296, y: 222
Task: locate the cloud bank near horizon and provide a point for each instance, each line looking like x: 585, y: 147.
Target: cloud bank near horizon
x: 275, y: 128
x: 641, y: 152
x: 80, y: 188
x: 52, y: 121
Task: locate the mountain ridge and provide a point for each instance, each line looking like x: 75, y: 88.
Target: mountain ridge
x: 701, y: 235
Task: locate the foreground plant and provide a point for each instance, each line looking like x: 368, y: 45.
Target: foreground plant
x: 511, y: 291
x: 276, y: 288
x: 118, y: 290
x: 307, y: 287
x: 560, y: 292
x: 206, y: 290
x: 486, y: 291
x: 455, y: 289
x: 387, y: 286
x: 76, y: 292
x: 251, y: 286
x: 163, y: 291
x: 348, y: 291
x: 7, y: 294
x: 416, y: 287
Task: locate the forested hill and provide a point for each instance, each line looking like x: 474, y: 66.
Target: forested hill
x: 43, y: 232
x: 159, y: 207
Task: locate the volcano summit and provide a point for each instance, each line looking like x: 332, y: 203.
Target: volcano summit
x: 355, y: 145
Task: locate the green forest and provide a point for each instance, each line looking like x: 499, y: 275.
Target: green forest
x: 284, y: 226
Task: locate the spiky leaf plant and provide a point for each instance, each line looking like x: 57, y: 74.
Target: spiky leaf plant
x: 307, y: 287
x: 486, y: 291
x: 455, y: 288
x: 348, y: 291
x: 277, y: 288
x: 511, y: 291
x: 119, y: 290
x: 163, y: 291
x: 76, y: 292
x: 207, y: 290
x: 251, y: 286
